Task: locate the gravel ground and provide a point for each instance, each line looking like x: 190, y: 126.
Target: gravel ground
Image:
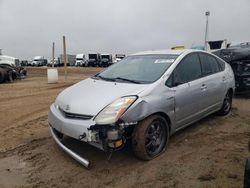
x: 210, y: 153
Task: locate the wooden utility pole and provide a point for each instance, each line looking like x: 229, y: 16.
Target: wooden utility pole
x: 53, y: 54
x: 65, y: 58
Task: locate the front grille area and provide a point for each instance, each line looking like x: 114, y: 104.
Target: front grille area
x: 75, y: 116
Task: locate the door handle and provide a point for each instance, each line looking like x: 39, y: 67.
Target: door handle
x: 203, y: 87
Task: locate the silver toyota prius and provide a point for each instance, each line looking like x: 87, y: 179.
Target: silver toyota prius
x: 145, y: 98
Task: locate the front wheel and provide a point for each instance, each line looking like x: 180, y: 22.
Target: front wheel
x: 227, y: 104
x: 150, y: 137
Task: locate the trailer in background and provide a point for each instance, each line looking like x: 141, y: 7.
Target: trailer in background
x: 94, y: 59
x: 71, y: 59
x: 106, y: 60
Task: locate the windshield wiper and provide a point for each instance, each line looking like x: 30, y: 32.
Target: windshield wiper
x: 116, y: 78
x: 103, y: 78
x: 128, y: 80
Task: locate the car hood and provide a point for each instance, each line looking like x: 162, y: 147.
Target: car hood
x: 90, y: 96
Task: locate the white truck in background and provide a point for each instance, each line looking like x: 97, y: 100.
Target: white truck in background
x: 39, y: 61
x: 81, y: 61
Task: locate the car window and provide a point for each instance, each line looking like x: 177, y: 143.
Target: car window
x: 189, y: 69
x: 221, y: 63
x: 209, y: 64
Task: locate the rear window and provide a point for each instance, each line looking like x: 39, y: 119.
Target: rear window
x: 209, y: 64
x: 221, y: 64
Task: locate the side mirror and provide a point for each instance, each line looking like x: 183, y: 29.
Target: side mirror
x: 177, y: 82
x: 173, y: 80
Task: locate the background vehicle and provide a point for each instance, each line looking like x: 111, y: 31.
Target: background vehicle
x: 238, y: 56
x: 71, y: 59
x: 119, y: 57
x: 12, y: 61
x: 81, y: 61
x: 10, y: 69
x: 39, y: 61
x: 24, y: 63
x: 147, y: 97
x: 94, y: 59
x: 106, y: 60
x: 181, y: 47
x: 56, y: 63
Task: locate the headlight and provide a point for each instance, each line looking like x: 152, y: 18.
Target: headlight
x: 111, y: 113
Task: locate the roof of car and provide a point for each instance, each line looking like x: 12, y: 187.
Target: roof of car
x: 173, y: 52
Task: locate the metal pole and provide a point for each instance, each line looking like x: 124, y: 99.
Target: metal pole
x: 65, y: 58
x: 53, y: 54
x: 206, y: 32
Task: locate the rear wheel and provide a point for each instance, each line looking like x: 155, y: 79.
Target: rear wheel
x: 150, y: 137
x: 227, y: 104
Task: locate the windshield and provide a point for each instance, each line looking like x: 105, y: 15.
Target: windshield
x: 139, y: 69
x: 105, y: 56
x: 92, y: 56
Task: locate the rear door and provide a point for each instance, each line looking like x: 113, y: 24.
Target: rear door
x: 214, y: 83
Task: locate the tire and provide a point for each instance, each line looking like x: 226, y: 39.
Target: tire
x: 150, y: 137
x: 227, y: 104
x: 2, y: 75
x: 247, y: 174
x: 10, y: 76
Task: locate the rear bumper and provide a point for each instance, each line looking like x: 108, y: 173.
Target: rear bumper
x: 74, y: 155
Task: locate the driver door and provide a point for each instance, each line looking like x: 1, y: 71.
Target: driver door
x: 187, y: 83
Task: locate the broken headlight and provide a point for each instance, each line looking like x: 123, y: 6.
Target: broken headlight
x: 111, y: 113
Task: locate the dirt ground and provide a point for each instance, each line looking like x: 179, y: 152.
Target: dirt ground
x: 210, y: 153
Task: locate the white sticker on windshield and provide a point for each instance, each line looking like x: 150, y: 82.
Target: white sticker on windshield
x: 164, y: 61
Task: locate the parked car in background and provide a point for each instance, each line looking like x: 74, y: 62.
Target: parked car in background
x: 119, y: 57
x: 106, y: 60
x: 81, y: 61
x: 145, y: 97
x: 39, y: 61
x: 94, y: 59
x: 238, y: 56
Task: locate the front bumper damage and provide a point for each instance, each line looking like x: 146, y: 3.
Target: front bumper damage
x: 104, y: 137
x: 74, y: 155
